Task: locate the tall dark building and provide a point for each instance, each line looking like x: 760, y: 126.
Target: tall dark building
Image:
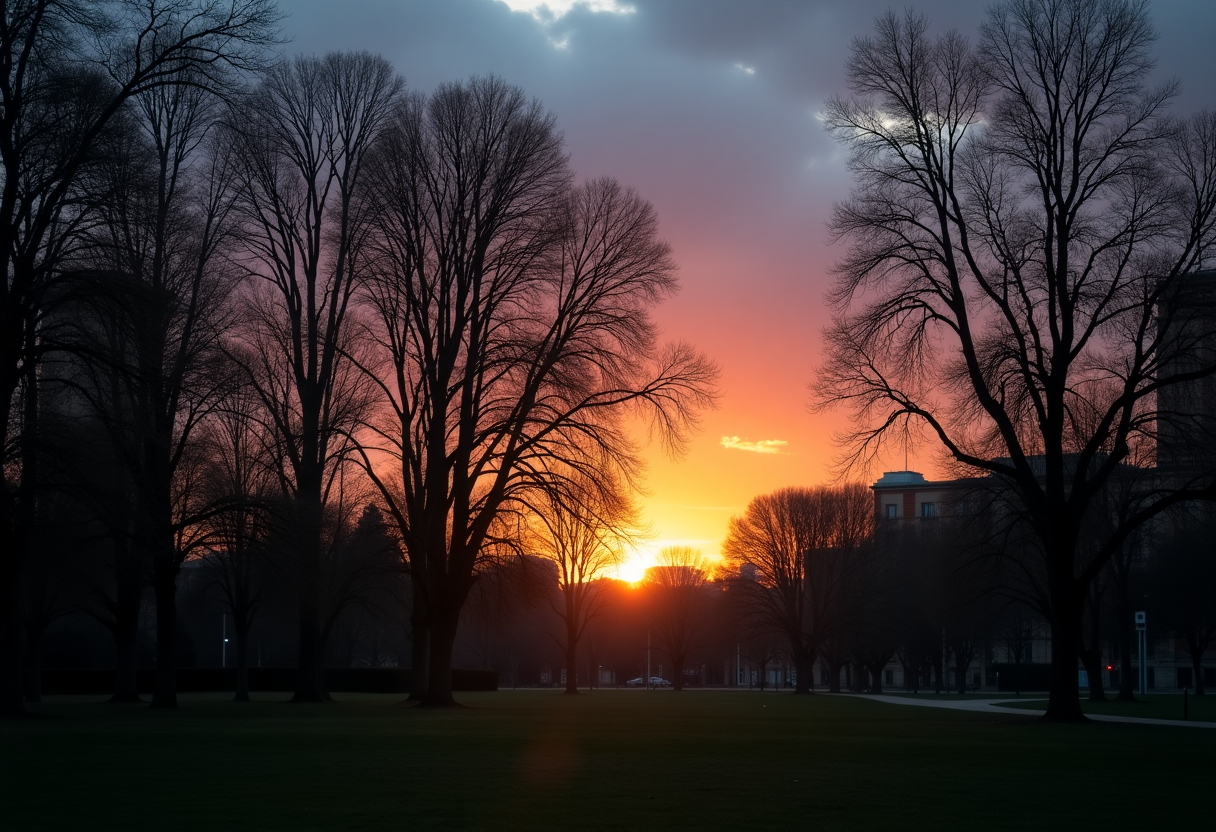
x: 1186, y: 426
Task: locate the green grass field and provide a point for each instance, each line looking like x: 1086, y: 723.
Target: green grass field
x: 1152, y: 706
x: 604, y: 760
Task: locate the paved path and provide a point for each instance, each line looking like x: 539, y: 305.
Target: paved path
x: 994, y: 706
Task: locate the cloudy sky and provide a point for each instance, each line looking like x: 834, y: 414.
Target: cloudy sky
x: 708, y: 108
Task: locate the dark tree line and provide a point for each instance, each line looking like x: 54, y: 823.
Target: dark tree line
x: 250, y: 301
x: 960, y: 589
x: 73, y: 72
x: 1025, y: 225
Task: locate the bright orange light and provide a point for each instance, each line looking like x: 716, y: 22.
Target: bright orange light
x: 633, y: 566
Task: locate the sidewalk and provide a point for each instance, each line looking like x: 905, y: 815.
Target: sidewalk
x: 994, y: 706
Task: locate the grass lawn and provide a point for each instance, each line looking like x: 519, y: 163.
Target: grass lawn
x: 1152, y: 706
x: 605, y: 760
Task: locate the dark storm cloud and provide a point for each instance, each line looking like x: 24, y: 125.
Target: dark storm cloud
x: 706, y: 106
x: 669, y: 74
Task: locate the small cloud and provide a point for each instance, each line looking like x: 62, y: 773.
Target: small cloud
x: 762, y: 446
x: 748, y: 70
x: 550, y: 11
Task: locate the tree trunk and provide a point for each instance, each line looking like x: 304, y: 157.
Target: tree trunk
x: 1197, y: 639
x: 439, y: 681
x: 962, y: 661
x: 677, y: 672
x: 241, y: 626
x: 420, y: 650
x: 33, y: 665
x: 571, y: 657
x: 11, y: 692
x: 833, y: 677
x: 164, y: 691
x: 1091, y: 659
x: 1091, y: 654
x: 1063, y: 703
x: 309, y: 687
x: 1127, y: 684
x: 876, y: 676
x: 17, y: 506
x: 127, y: 603
x: 804, y: 666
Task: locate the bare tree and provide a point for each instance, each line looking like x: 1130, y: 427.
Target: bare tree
x: 159, y: 223
x: 583, y: 532
x: 301, y: 140
x: 792, y: 542
x: 52, y: 114
x: 676, y: 600
x: 242, y: 482
x: 514, y: 313
x: 1023, y: 214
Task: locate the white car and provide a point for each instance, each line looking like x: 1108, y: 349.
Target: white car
x: 636, y: 683
x: 659, y: 682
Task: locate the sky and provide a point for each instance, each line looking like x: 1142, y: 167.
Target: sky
x: 709, y: 109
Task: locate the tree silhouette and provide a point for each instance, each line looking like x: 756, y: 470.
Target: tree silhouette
x: 583, y: 532
x: 798, y: 544
x: 1023, y: 222
x: 301, y: 140
x: 69, y: 67
x: 514, y: 315
x: 676, y: 599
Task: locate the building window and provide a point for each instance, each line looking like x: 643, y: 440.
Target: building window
x: 892, y: 511
x: 928, y: 509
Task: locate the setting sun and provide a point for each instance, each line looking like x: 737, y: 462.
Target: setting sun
x: 633, y: 566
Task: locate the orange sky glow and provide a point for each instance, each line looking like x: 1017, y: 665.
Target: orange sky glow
x: 709, y: 110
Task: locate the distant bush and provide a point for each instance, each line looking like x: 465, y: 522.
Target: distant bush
x: 220, y: 679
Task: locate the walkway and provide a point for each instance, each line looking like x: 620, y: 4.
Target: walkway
x: 993, y: 706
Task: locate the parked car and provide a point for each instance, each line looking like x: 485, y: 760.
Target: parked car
x: 660, y: 682
x: 636, y: 683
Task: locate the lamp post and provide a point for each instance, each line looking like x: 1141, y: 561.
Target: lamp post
x: 1142, y: 649
x: 648, y: 685
x: 224, y: 635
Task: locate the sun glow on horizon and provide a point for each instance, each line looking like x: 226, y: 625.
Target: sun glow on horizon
x: 633, y: 566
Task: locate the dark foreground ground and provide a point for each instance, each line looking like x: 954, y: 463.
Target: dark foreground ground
x: 605, y: 760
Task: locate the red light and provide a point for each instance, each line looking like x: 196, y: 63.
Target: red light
x: 1110, y: 667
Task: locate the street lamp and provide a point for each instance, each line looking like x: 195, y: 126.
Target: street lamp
x: 648, y: 685
x: 1142, y: 649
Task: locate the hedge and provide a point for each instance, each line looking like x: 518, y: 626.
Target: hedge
x: 200, y: 679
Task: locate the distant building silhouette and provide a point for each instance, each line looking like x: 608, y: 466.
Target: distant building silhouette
x: 1185, y: 453
x: 1186, y: 433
